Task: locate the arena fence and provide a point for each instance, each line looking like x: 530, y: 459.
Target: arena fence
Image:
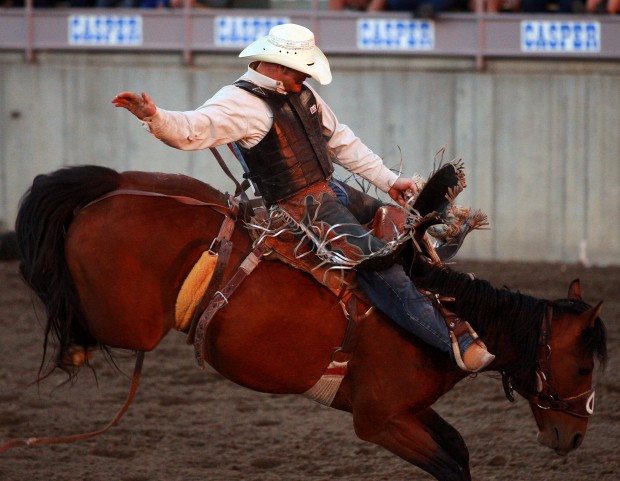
x: 530, y: 103
x: 190, y: 31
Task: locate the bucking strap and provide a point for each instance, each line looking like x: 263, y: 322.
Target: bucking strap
x: 223, y: 246
x: 219, y: 299
x: 217, y: 277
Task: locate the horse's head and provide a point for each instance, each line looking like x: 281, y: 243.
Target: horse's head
x: 561, y: 396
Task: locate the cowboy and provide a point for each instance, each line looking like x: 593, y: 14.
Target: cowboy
x: 289, y: 139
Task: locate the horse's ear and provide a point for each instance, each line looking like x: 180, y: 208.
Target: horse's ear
x: 590, y: 316
x: 574, y: 291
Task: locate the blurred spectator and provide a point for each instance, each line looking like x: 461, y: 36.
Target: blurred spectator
x: 535, y: 6
x: 164, y: 3
x: 349, y: 4
x: 599, y: 6
x: 116, y: 3
x: 53, y: 3
x: 103, y: 3
x: 419, y: 8
x: 495, y: 6
x: 546, y: 6
x: 36, y: 3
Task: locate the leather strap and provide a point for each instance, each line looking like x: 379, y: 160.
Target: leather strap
x: 349, y: 306
x: 224, y: 234
x: 223, y: 255
x: 454, y: 323
x: 179, y: 198
x: 456, y: 326
x: 220, y: 298
x: 223, y: 247
x: 135, y: 381
x: 240, y: 188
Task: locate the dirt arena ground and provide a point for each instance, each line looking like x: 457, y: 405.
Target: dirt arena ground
x: 188, y: 424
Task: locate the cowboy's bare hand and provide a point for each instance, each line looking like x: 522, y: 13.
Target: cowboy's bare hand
x: 140, y: 105
x: 402, y: 190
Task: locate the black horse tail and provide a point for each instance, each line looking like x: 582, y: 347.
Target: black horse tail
x: 45, y: 213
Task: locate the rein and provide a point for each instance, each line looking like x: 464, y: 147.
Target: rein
x: 545, y: 396
x: 135, y: 380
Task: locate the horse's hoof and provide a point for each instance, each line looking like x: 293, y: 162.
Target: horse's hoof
x: 77, y: 356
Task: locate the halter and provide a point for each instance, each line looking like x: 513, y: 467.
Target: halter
x: 545, y: 396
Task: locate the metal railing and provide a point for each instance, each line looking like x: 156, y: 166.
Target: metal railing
x: 189, y: 31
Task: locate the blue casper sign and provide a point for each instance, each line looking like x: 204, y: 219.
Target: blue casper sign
x: 241, y: 31
x: 105, y: 30
x: 392, y: 34
x: 560, y: 36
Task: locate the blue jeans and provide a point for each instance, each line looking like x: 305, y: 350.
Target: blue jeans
x: 393, y: 293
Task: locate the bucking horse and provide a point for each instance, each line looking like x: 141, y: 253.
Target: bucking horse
x: 120, y: 259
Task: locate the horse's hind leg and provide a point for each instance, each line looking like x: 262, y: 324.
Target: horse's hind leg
x: 424, y: 439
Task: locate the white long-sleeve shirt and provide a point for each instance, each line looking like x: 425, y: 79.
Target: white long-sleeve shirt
x: 235, y: 115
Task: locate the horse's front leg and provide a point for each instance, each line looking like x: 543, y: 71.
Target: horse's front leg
x: 424, y: 439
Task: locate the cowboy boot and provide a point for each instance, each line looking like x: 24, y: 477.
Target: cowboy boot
x: 476, y: 357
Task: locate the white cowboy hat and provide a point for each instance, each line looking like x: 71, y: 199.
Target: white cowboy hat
x: 292, y: 46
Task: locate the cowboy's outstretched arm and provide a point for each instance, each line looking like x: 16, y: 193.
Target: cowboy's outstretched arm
x: 140, y: 105
x: 402, y: 190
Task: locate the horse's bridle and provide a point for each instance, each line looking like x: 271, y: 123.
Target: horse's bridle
x: 544, y: 396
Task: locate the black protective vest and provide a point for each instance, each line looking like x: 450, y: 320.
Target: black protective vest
x: 293, y: 155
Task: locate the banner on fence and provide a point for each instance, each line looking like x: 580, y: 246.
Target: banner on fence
x: 240, y: 31
x: 105, y: 30
x: 395, y: 34
x: 560, y: 36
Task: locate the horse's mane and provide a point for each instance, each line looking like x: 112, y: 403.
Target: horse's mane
x: 510, y: 315
x: 45, y: 212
